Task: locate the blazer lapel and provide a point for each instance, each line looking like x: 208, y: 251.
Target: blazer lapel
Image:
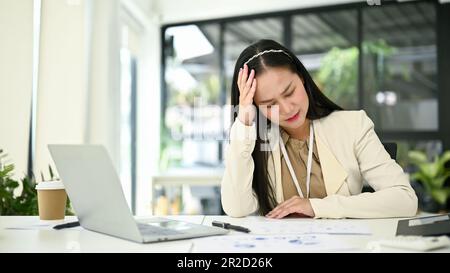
x: 334, y: 174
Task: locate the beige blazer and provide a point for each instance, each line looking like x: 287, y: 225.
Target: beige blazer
x: 349, y: 151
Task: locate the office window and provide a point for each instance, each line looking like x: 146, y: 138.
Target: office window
x: 192, y: 112
x: 382, y: 59
x: 400, y: 66
x: 327, y: 44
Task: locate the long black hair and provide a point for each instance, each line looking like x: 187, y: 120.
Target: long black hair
x: 319, y: 106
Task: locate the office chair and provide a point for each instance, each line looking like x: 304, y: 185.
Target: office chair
x: 391, y: 148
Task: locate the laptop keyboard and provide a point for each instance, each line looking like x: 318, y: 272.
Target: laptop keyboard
x: 150, y: 230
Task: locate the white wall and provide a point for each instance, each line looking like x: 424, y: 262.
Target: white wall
x: 78, y: 83
x: 103, y: 88
x: 79, y: 77
x: 16, y: 48
x: 61, y: 95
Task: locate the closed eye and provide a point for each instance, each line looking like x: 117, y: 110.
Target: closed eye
x: 290, y: 93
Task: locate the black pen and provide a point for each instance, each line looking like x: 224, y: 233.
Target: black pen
x: 67, y: 225
x: 230, y: 226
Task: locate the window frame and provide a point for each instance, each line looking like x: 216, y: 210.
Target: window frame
x: 443, y: 62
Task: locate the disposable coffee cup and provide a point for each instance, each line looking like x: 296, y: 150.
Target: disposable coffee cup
x: 52, y: 200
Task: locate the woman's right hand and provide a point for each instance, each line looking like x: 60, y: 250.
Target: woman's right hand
x: 247, y: 87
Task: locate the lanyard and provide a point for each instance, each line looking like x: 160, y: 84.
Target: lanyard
x: 289, y: 165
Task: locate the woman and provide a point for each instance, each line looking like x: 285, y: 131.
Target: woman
x: 312, y: 157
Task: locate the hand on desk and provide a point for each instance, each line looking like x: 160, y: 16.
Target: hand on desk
x: 294, y: 205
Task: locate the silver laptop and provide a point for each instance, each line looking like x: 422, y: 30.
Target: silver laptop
x: 96, y: 194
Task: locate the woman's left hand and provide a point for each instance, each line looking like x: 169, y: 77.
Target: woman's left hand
x: 295, y: 204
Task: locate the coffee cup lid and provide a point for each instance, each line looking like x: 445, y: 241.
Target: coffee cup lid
x: 50, y: 185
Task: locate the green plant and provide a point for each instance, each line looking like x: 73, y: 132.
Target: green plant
x: 338, y: 76
x: 25, y: 203
x: 432, y: 174
x: 170, y: 153
x: 338, y: 73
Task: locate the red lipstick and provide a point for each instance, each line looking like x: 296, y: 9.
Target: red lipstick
x: 294, y: 117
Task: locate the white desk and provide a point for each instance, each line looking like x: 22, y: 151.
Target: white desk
x: 380, y: 229
x: 45, y: 239
x: 81, y: 240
